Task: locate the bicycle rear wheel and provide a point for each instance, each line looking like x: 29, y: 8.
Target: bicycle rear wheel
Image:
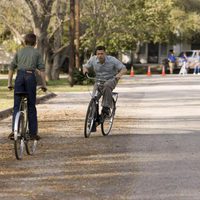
x: 19, y: 127
x: 107, y: 123
x: 90, y: 118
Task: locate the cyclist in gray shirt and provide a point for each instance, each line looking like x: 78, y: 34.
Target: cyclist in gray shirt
x: 108, y: 68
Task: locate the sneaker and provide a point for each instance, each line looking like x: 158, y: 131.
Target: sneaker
x: 106, y: 111
x: 35, y: 137
x: 11, y: 136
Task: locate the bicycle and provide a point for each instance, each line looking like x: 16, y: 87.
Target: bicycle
x: 21, y: 132
x: 94, y: 117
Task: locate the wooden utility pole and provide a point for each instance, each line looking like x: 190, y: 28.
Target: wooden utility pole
x: 72, y: 47
x: 77, y: 33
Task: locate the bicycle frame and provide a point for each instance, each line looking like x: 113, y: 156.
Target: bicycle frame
x: 23, y: 109
x: 95, y: 119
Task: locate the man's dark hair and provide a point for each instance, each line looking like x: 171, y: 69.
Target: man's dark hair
x: 100, y: 48
x: 30, y: 39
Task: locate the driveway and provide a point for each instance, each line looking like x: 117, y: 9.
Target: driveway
x: 152, y: 153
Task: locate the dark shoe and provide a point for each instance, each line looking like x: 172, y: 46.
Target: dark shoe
x: 35, y: 137
x: 106, y: 111
x: 11, y: 136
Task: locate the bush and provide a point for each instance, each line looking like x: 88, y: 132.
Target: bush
x: 81, y: 79
x: 78, y: 77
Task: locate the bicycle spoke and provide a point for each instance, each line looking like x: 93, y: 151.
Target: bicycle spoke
x: 107, y: 123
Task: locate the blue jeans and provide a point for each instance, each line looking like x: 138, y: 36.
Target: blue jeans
x: 26, y: 82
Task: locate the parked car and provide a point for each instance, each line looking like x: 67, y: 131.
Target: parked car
x: 192, y: 55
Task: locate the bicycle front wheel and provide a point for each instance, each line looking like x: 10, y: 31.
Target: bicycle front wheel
x: 107, y: 121
x: 90, y: 118
x: 19, y: 128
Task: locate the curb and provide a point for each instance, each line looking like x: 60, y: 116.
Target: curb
x: 6, y: 113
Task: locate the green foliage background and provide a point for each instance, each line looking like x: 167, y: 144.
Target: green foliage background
x: 117, y: 24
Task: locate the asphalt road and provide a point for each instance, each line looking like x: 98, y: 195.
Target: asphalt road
x: 153, y: 152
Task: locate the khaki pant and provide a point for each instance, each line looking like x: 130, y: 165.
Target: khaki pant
x: 171, y: 67
x: 107, y: 89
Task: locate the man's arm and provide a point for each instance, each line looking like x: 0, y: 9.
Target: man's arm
x: 88, y: 65
x: 42, y: 74
x: 121, y: 73
x: 85, y: 70
x: 10, y: 77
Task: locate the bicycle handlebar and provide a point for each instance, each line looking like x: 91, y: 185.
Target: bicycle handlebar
x: 96, y: 79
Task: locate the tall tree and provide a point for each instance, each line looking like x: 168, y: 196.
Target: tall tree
x: 41, y: 21
x: 60, y: 14
x: 133, y: 22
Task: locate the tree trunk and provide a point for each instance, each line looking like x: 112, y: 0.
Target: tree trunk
x: 60, y: 13
x: 45, y: 50
x: 56, y: 67
x: 72, y: 53
x: 77, y: 33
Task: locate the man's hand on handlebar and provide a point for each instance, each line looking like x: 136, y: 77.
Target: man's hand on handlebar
x: 43, y: 88
x: 117, y: 78
x: 10, y: 87
x: 86, y: 74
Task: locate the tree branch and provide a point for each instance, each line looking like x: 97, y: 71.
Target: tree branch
x: 12, y: 28
x: 59, y: 50
x: 57, y: 27
x: 21, y: 12
x: 33, y: 9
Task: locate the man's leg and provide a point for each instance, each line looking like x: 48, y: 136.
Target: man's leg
x: 171, y: 67
x: 31, y: 84
x: 109, y: 86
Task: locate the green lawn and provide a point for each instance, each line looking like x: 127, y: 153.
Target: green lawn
x: 6, y: 96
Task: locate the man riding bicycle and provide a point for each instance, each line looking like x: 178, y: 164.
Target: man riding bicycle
x: 26, y: 62
x: 107, y: 68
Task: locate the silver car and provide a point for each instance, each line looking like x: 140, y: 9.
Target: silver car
x: 192, y: 56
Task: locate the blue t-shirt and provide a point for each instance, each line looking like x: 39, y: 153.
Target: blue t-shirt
x: 171, y: 58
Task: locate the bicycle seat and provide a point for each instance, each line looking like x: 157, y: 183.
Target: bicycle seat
x: 22, y: 94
